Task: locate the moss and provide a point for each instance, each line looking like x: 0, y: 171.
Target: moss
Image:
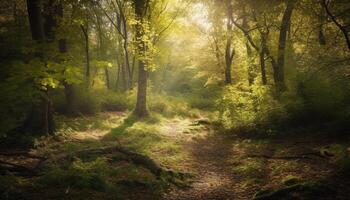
x: 290, y: 180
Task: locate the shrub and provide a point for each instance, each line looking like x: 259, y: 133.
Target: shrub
x: 115, y: 101
x: 88, y: 102
x: 168, y: 106
x: 243, y: 106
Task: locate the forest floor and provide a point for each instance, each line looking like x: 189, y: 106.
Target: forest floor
x: 221, y: 165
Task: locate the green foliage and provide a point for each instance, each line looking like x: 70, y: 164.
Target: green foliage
x: 168, y: 106
x: 9, y: 188
x: 112, y: 101
x: 246, y: 106
x: 88, y: 102
x: 79, y: 174
x: 251, y: 170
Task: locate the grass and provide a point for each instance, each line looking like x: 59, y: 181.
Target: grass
x: 109, y: 176
x: 145, y: 137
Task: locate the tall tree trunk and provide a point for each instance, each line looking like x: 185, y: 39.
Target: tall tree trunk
x: 251, y: 70
x: 229, y: 52
x: 228, y: 62
x: 40, y: 119
x: 321, y: 36
x: 87, y: 53
x: 262, y: 53
x: 285, y: 25
x: 123, y: 26
x: 107, y: 78
x: 123, y: 76
x: 127, y: 62
x: 119, y: 66
x: 141, y: 104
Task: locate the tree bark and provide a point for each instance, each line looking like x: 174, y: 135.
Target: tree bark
x: 107, y: 78
x: 229, y: 52
x: 279, y: 69
x: 40, y: 119
x: 123, y: 26
x: 141, y: 104
x: 87, y: 53
x: 262, y: 53
x: 321, y: 36
x: 35, y: 20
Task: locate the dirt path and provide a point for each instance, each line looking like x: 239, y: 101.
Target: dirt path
x: 224, y: 172
x: 209, y: 159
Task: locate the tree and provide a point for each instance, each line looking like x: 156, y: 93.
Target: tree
x: 229, y: 51
x: 141, y: 7
x: 285, y: 25
x: 40, y: 120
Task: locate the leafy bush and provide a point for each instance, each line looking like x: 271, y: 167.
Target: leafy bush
x: 88, y: 102
x: 169, y: 106
x: 242, y: 106
x: 91, y: 101
x: 116, y: 101
x: 320, y: 101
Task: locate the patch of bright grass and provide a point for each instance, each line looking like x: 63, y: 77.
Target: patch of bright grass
x: 251, y: 170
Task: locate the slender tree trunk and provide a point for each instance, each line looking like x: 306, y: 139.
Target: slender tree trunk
x: 286, y: 20
x: 321, y: 36
x: 229, y: 52
x: 262, y: 54
x: 87, y: 53
x: 262, y: 67
x: 119, y: 66
x: 251, y: 70
x: 228, y: 62
x: 132, y: 70
x: 107, y: 78
x: 125, y: 44
x: 127, y: 63
x: 123, y: 76
x: 141, y: 104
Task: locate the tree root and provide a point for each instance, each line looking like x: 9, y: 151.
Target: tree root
x: 290, y: 157
x: 18, y: 169
x: 137, y: 159
x: 305, y: 189
x: 21, y: 153
x: 173, y: 177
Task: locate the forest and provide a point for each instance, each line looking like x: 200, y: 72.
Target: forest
x: 175, y: 99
